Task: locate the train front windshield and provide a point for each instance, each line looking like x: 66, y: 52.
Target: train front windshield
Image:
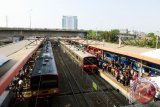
x: 44, y: 82
x: 90, y: 61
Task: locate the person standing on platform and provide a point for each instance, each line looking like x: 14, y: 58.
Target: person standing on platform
x: 104, y: 65
x: 117, y: 75
x: 121, y: 78
x: 135, y: 76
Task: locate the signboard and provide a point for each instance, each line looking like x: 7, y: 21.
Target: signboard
x: 94, y: 85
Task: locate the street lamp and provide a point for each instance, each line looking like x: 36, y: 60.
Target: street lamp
x: 6, y: 21
x: 30, y: 18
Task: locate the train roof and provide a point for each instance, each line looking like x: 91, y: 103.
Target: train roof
x: 46, y: 62
x: 78, y: 51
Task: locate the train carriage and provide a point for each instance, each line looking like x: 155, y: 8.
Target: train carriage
x: 44, y: 78
x: 87, y: 61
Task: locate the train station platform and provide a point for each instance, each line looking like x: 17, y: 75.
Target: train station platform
x: 14, y: 47
x: 18, y: 54
x: 15, y: 52
x: 117, y: 85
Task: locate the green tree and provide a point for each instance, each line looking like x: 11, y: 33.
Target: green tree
x: 151, y: 34
x: 91, y: 34
x: 151, y: 40
x: 113, y: 35
x: 103, y: 35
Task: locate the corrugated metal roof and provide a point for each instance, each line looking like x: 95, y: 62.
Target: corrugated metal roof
x: 78, y: 51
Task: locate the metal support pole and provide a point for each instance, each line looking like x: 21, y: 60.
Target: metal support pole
x: 120, y: 40
x: 6, y: 21
x: 30, y: 21
x: 103, y: 42
x: 102, y: 55
x: 140, y: 74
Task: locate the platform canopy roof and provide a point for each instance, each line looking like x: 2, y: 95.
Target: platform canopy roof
x: 3, y: 59
x: 152, y: 54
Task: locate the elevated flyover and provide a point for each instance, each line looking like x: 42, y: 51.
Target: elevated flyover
x: 18, y: 53
x: 10, y: 32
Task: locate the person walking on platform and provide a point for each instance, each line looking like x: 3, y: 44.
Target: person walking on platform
x: 110, y: 66
x: 113, y: 70
x: 135, y: 76
x: 122, y: 78
x: 99, y: 62
x: 117, y: 75
x: 20, y: 82
x: 126, y: 79
x: 104, y: 65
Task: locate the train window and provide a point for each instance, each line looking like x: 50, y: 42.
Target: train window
x: 46, y: 60
x: 90, y: 60
x: 46, y: 81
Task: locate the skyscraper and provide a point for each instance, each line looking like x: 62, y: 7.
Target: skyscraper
x: 69, y: 22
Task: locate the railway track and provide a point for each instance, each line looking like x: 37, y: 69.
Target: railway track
x: 76, y: 87
x: 72, y: 81
x: 106, y: 93
x: 111, y: 92
x: 86, y: 85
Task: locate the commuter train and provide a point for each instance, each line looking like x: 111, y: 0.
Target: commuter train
x: 87, y: 61
x: 44, y: 78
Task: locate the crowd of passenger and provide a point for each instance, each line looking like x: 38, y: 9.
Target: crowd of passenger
x: 123, y: 73
x: 21, y: 82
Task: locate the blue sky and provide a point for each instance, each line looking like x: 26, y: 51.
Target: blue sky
x: 141, y: 15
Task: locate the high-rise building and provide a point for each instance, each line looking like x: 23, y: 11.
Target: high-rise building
x: 69, y: 22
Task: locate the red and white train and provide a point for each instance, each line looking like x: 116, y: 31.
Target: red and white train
x: 87, y: 61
